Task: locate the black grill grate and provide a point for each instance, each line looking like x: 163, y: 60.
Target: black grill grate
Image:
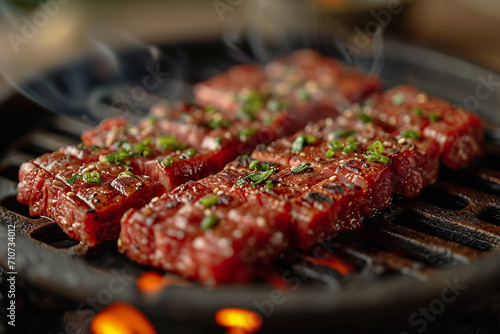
x: 448, y: 225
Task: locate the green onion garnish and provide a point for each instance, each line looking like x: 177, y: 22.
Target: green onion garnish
x: 125, y: 174
x: 433, y: 117
x: 256, y: 164
x: 275, y: 105
x: 410, y: 134
x: 259, y: 177
x: 209, y: 201
x: 417, y: 112
x: 167, y: 161
x: 377, y: 147
x: 247, y: 133
x: 398, y: 99
x: 92, y: 177
x: 343, y: 133
x: 349, y: 148
x: 269, y: 185
x: 167, y: 142
x: 300, y: 168
x: 73, y: 179
x: 329, y: 154
x: 336, y: 145
x: 221, y: 123
x: 304, y: 95
x: 190, y: 152
x: 364, y: 118
x: 209, y: 222
x: 301, y: 141
x: 377, y: 157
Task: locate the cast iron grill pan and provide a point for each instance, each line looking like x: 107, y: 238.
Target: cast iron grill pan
x: 401, y: 259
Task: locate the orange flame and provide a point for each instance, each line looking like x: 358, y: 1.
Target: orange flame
x: 121, y: 318
x: 152, y: 282
x: 333, y: 262
x: 238, y: 320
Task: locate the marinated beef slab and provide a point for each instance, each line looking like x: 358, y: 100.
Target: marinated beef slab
x: 86, y: 199
x: 151, y: 152
x: 312, y: 86
x: 458, y: 132
x: 212, y: 130
x: 413, y: 162
x: 211, y: 239
x: 319, y: 207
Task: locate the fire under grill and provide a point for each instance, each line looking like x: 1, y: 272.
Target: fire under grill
x: 404, y: 258
x: 453, y: 223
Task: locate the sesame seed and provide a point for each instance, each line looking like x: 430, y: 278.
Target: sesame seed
x: 155, y: 199
x: 401, y: 141
x: 333, y: 178
x: 70, y: 194
x: 207, y: 212
x: 387, y: 143
x: 119, y: 243
x: 329, y: 121
x: 57, y: 183
x: 216, y: 190
x: 302, y: 154
x: 421, y: 98
x: 261, y: 222
x: 220, y: 192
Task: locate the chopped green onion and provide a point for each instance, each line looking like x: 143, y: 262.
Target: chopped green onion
x: 302, y: 140
x: 125, y: 174
x: 245, y: 113
x: 209, y: 222
x: 417, y: 112
x: 240, y: 182
x: 351, y: 140
x: 95, y: 147
x: 221, y: 123
x: 210, y: 108
x: 209, y: 201
x: 304, y: 95
x: 92, y: 177
x: 268, y: 120
x: 256, y: 164
x: 253, y: 101
x: 275, y: 105
x: 73, y: 179
x: 82, y: 146
x: 118, y: 156
x: 167, y: 161
x: 300, y: 168
x: 343, y: 133
x: 349, y: 148
x: 329, y: 154
x: 377, y: 147
x: 121, y: 142
x: 259, y: 177
x: 433, y: 117
x: 410, y: 134
x: 269, y: 185
x: 218, y: 141
x: 190, y: 152
x: 142, y: 148
x: 152, y: 119
x: 167, y: 142
x: 398, y: 99
x: 336, y: 145
x: 364, y: 118
x: 247, y: 133
x: 376, y: 157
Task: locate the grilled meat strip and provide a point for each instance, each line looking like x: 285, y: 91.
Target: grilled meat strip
x: 84, y: 196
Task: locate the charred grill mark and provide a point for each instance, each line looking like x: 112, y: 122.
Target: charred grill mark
x: 333, y: 188
x: 317, y: 197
